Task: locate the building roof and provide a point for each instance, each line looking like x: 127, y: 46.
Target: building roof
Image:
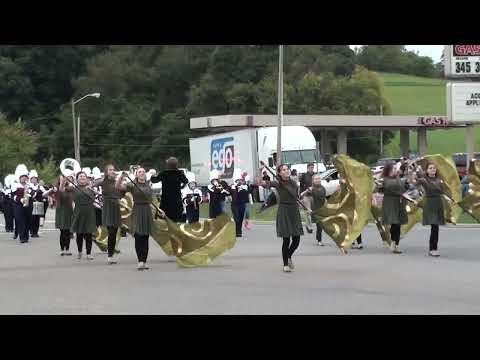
x: 230, y: 122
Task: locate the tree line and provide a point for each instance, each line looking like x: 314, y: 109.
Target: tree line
x: 149, y: 93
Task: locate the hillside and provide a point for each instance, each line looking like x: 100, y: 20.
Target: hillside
x: 411, y: 95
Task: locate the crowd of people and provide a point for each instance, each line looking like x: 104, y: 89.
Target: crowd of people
x: 86, y: 201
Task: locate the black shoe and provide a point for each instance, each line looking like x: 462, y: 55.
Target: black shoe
x: 309, y: 230
x: 239, y: 235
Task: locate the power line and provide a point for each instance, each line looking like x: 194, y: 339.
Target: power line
x: 138, y: 145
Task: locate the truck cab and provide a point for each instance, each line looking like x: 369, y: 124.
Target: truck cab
x: 299, y: 148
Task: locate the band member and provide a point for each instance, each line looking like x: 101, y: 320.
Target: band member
x: 305, y: 183
x: 240, y: 198
x: 46, y: 203
x: 289, y: 223
x: 217, y: 192
x: 394, y: 212
x: 8, y: 209
x: 21, y: 208
x: 142, y: 219
x: 318, y: 194
x: 433, y: 211
x: 36, y: 203
x: 110, y: 213
x: 83, y: 220
x: 63, y: 214
x: 246, y: 180
x: 173, y: 181
x: 192, y: 198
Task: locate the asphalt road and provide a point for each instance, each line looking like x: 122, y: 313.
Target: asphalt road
x: 34, y: 279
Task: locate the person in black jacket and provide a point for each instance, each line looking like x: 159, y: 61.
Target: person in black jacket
x: 240, y: 198
x: 306, y: 183
x: 173, y: 181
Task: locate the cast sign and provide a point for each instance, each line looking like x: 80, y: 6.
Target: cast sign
x: 463, y: 102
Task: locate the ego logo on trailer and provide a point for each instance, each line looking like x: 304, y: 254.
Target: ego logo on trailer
x: 222, y: 157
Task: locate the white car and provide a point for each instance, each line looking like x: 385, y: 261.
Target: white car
x: 330, y: 181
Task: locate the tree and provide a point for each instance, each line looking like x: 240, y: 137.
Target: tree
x: 18, y: 145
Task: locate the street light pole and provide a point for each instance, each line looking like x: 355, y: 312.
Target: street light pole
x: 76, y: 125
x: 280, y: 106
x: 74, y: 131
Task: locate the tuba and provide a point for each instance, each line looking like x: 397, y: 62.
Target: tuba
x: 70, y: 167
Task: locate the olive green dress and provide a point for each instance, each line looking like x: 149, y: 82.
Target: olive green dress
x: 289, y: 222
x: 83, y: 221
x: 394, y: 211
x: 142, y: 218
x: 111, y: 216
x: 433, y: 211
x: 63, y: 211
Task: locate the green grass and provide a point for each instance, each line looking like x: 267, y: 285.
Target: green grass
x: 412, y: 95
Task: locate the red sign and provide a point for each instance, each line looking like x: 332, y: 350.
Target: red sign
x: 433, y: 121
x: 466, y: 50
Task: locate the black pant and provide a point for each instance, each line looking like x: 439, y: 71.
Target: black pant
x: 289, y: 248
x: 359, y: 239
x: 193, y: 215
x: 238, y: 211
x: 98, y: 217
x: 112, y: 240
x: 395, y: 233
x: 34, y: 224
x: 22, y: 221
x: 45, y: 208
x: 64, y: 239
x: 434, y: 237
x: 319, y: 232
x: 88, y: 242
x: 141, y: 247
x: 8, y: 214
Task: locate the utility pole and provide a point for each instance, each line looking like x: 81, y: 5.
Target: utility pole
x: 280, y: 106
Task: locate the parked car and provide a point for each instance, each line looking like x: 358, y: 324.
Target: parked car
x: 330, y: 181
x: 377, y: 169
x: 460, y: 160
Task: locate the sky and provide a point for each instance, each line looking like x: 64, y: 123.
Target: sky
x: 434, y: 51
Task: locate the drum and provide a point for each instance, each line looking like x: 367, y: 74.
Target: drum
x: 38, y: 208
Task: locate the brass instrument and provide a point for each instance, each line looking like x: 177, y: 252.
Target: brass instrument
x: 25, y: 200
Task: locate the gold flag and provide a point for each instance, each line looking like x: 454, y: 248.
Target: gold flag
x: 346, y: 212
x: 471, y: 201
x: 193, y: 244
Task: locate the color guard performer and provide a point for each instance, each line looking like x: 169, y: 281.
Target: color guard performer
x: 394, y: 212
x: 110, y: 213
x: 289, y: 222
x: 63, y: 213
x: 433, y: 211
x: 83, y: 220
x: 142, y: 218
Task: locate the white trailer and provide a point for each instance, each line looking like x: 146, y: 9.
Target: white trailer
x: 244, y: 149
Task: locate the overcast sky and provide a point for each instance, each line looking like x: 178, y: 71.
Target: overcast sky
x: 434, y: 51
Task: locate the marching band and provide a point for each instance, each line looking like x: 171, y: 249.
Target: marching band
x: 86, y: 200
